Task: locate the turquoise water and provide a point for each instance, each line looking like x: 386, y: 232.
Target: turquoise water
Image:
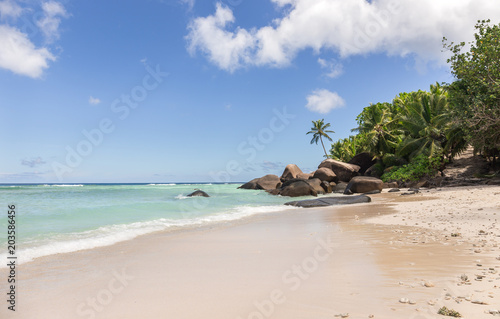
x: 63, y: 218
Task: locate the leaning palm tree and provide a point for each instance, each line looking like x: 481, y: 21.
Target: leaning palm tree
x: 319, y: 130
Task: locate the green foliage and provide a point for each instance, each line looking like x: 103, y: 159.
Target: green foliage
x: 393, y: 160
x: 419, y: 167
x: 476, y: 93
x: 345, y: 149
x: 319, y: 130
x: 424, y: 118
x: 378, y: 124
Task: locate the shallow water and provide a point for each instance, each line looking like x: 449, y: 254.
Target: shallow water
x: 59, y: 218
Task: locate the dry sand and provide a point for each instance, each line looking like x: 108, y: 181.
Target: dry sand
x: 464, y: 219
x: 360, y: 260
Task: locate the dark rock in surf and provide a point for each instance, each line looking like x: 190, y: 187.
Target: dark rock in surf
x: 198, y: 192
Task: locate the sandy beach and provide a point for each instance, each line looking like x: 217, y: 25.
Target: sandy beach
x: 397, y: 257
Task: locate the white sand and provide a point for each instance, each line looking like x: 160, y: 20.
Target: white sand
x: 463, y: 219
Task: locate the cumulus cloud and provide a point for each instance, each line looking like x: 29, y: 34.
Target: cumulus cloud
x: 393, y: 27
x: 333, y: 68
x: 17, y: 52
x: 323, y: 101
x: 33, y: 162
x: 9, y: 8
x: 94, y: 100
x: 19, y: 55
x: 49, y: 23
x: 227, y: 49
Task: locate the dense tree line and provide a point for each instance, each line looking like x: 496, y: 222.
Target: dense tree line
x: 419, y: 131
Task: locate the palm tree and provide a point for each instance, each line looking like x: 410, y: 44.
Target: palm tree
x: 345, y: 149
x: 376, y: 122
x: 319, y: 130
x: 425, y: 118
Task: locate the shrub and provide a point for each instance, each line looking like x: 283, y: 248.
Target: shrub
x: 419, y: 167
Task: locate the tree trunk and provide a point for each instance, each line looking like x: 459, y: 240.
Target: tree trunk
x: 326, y: 155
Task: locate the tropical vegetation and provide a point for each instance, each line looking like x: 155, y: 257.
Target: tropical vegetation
x: 416, y: 133
x: 476, y: 92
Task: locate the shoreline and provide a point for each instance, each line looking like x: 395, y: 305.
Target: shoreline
x: 279, y: 264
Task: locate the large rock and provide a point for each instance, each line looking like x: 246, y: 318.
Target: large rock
x: 267, y: 182
x: 198, y: 192
x: 364, y: 161
x: 316, y: 185
x: 364, y: 184
x: 344, y: 171
x: 328, y: 187
x: 297, y: 187
x: 391, y: 185
x: 325, y: 174
x: 330, y: 201
x: 305, y: 175
x: 291, y: 171
x: 339, y: 188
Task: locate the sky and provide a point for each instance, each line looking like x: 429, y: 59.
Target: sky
x: 160, y: 91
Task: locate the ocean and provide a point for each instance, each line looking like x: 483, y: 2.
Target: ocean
x: 61, y: 218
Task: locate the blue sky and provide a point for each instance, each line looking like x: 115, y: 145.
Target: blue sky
x: 172, y: 91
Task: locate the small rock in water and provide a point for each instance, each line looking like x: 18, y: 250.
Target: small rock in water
x: 404, y: 300
x: 493, y: 311
x: 478, y: 302
x: 464, y: 277
x: 428, y: 284
x: 342, y: 315
x: 412, y: 302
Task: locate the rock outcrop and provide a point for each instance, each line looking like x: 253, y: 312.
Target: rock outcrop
x: 291, y: 171
x: 325, y: 174
x: 198, y: 192
x: 296, y: 188
x: 328, y: 187
x: 330, y: 201
x: 267, y: 182
x: 364, y: 184
x: 364, y: 161
x: 315, y: 183
x: 305, y: 175
x: 344, y: 171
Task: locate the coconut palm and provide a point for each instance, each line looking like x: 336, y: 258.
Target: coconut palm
x: 376, y: 122
x: 344, y: 149
x: 424, y: 118
x: 319, y: 130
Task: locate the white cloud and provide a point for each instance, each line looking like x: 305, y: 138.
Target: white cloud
x: 17, y: 51
x: 9, y: 8
x: 49, y: 23
x: 334, y: 69
x: 228, y: 50
x: 19, y: 55
x: 323, y: 101
x: 393, y: 27
x: 94, y: 100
